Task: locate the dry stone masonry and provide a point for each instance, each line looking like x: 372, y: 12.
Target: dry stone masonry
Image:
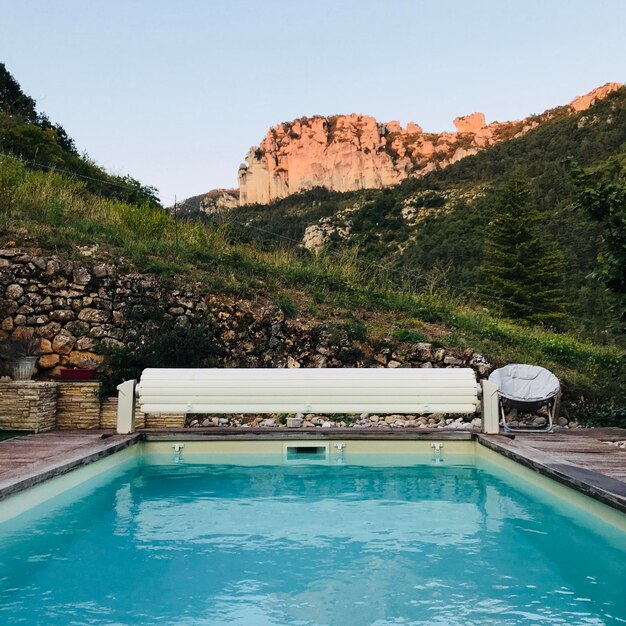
x: 76, y: 310
x: 28, y: 405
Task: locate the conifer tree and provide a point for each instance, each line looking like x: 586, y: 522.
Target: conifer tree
x: 13, y: 100
x: 521, y: 269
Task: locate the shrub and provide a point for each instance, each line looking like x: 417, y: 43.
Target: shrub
x: 287, y: 306
x: 161, y: 344
x: 14, y: 348
x: 605, y: 413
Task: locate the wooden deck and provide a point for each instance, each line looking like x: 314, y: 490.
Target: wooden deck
x: 31, y: 459
x: 580, y: 458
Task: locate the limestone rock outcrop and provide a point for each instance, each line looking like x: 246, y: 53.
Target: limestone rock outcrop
x: 219, y: 201
x: 215, y: 202
x: 350, y: 152
x: 470, y: 123
x: 584, y: 102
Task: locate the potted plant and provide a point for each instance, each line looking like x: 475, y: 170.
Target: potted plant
x: 20, y: 354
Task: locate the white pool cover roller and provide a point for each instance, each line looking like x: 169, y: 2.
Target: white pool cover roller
x: 308, y: 390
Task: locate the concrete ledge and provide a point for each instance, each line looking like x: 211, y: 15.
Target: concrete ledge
x: 264, y: 434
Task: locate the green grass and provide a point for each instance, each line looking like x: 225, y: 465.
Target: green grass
x: 287, y: 306
x: 409, y: 335
x: 49, y: 210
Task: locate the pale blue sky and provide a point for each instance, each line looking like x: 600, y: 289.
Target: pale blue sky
x: 175, y: 92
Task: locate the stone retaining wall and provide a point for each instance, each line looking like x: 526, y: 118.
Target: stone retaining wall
x: 108, y: 414
x: 163, y: 420
x: 78, y: 406
x: 78, y: 309
x: 28, y: 405
x: 38, y: 406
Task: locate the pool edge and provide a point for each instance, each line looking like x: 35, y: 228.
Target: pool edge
x: 595, y: 485
x: 604, y: 489
x: 78, y: 458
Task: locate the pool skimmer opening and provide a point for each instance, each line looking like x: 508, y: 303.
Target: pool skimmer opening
x: 306, y: 452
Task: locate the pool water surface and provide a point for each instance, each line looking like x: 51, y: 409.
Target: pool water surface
x: 432, y: 543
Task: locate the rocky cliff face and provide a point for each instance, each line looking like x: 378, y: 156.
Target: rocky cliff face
x: 350, y: 152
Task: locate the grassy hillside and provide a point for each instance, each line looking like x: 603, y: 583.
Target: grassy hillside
x: 57, y: 213
x: 43, y: 145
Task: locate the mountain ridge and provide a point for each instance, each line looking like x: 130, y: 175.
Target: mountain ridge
x: 432, y: 229
x: 353, y: 152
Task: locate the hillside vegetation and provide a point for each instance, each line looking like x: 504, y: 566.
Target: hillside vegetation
x: 366, y: 285
x: 43, y: 145
x: 434, y: 228
x: 57, y: 214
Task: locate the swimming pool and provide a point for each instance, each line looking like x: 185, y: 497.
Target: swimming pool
x: 336, y: 536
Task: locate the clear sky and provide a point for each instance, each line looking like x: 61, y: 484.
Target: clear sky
x: 175, y: 92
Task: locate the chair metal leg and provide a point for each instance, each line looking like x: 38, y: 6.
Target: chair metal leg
x: 551, y: 405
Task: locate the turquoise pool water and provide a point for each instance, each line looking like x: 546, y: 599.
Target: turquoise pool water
x: 156, y: 542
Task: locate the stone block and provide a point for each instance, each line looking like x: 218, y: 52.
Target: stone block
x: 78, y: 405
x: 164, y: 420
x: 63, y: 343
x: 46, y: 361
x: 85, y: 359
x: 96, y: 316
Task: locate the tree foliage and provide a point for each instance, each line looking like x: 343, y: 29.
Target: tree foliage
x: 522, y: 271
x: 26, y: 133
x: 602, y: 196
x: 13, y: 101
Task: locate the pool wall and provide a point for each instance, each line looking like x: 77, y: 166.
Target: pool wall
x: 275, y: 446
x: 18, y: 503
x: 548, y: 490
x: 340, y: 450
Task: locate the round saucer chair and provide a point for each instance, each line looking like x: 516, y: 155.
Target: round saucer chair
x: 526, y: 388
